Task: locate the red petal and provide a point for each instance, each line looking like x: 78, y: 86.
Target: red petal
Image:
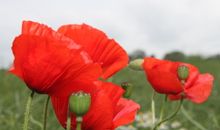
x: 34, y: 63
x: 105, y: 105
x: 108, y: 53
x: 125, y: 112
x: 162, y: 75
x: 99, y: 117
x: 175, y: 97
x: 201, y: 89
x: 19, y: 52
x: 35, y: 29
x: 113, y: 91
x: 45, y: 60
x: 78, y: 77
x: 60, y: 106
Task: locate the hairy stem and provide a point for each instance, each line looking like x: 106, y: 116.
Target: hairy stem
x: 28, y: 111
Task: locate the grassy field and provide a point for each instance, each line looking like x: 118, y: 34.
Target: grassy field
x: 13, y: 96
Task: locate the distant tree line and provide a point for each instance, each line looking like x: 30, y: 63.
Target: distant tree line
x: 173, y: 56
x: 138, y: 54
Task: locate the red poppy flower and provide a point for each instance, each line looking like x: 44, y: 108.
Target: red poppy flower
x: 107, y: 52
x: 107, y: 111
x: 163, y: 77
x: 47, y: 61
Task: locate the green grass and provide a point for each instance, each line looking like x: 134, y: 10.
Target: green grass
x: 13, y: 96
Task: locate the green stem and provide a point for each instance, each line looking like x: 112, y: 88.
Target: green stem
x: 78, y: 126
x: 162, y: 108
x: 78, y: 123
x: 197, y: 124
x: 45, y: 113
x: 169, y: 117
x: 153, y: 107
x: 68, y: 122
x: 28, y: 111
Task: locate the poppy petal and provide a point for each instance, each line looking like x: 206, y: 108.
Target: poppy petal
x: 162, y: 75
x: 107, y: 111
x: 35, y: 29
x: 175, y: 97
x: 76, y: 78
x: 46, y: 60
x: 201, y: 89
x: 113, y: 91
x: 107, y: 52
x: 60, y: 107
x: 99, y: 117
x: 35, y: 63
x: 125, y: 112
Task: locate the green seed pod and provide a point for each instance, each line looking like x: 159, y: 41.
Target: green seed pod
x: 183, y: 72
x: 79, y: 103
x: 128, y: 87
x: 136, y: 64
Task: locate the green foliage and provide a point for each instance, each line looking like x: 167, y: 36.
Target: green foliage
x: 13, y: 96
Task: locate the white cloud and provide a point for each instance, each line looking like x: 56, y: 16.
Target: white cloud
x: 158, y: 26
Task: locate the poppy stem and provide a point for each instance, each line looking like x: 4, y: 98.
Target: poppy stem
x: 169, y: 117
x: 153, y: 107
x: 78, y: 123
x: 68, y: 127
x: 28, y: 111
x: 45, y: 113
x: 162, y: 108
x: 194, y: 122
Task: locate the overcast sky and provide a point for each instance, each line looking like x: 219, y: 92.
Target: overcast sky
x: 157, y: 26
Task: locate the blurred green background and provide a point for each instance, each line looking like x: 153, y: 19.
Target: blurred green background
x: 14, y: 93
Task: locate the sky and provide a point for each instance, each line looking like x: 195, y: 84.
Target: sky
x: 156, y: 26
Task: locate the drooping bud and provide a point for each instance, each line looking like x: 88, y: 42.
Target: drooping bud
x: 183, y: 72
x: 128, y: 87
x: 79, y: 103
x: 136, y: 64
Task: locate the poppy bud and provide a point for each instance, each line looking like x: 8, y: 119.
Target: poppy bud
x: 128, y: 89
x: 183, y: 72
x: 79, y: 103
x: 136, y: 64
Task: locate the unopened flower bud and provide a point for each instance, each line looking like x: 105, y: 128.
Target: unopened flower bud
x: 79, y: 103
x: 128, y: 87
x: 183, y: 72
x: 136, y: 64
